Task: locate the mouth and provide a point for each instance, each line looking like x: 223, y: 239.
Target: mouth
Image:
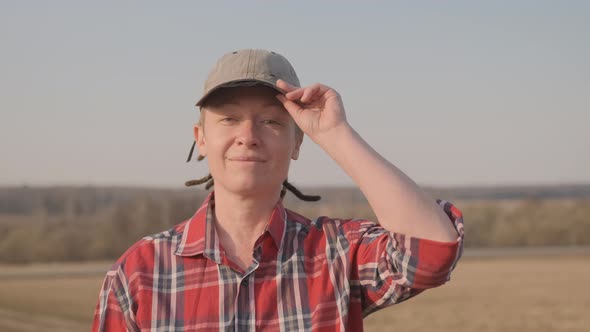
x: 251, y: 159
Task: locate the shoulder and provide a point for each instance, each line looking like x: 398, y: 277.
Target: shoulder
x: 141, y: 255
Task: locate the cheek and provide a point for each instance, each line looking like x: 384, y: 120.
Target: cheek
x: 215, y: 141
x: 284, y: 150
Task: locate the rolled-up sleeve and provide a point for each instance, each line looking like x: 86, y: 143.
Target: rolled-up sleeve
x: 392, y: 267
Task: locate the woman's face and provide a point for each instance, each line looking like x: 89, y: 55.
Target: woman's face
x: 248, y: 138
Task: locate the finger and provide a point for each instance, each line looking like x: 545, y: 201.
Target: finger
x: 292, y: 107
x: 295, y: 94
x: 310, y: 93
x: 286, y: 86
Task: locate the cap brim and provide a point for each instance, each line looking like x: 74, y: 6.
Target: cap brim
x: 231, y: 84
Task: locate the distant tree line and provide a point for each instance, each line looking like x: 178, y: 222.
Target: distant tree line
x: 76, y: 224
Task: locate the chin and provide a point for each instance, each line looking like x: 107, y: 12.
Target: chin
x: 253, y: 186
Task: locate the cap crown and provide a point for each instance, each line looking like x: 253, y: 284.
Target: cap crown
x: 249, y: 66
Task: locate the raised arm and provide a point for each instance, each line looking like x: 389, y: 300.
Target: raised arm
x: 399, y: 204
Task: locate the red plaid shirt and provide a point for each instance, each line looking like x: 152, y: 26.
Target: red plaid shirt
x: 321, y: 275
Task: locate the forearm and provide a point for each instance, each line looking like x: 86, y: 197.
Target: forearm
x: 399, y: 204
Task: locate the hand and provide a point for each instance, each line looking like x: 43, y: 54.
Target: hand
x: 317, y: 109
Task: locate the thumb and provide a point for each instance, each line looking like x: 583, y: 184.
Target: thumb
x: 292, y: 107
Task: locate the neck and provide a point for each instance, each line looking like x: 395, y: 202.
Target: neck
x: 241, y: 219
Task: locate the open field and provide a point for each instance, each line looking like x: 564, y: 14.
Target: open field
x: 510, y: 293
x: 500, y: 294
x: 92, y: 223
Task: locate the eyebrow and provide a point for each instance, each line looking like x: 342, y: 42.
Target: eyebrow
x: 238, y: 104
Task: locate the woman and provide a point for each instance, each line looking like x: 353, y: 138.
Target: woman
x: 243, y: 261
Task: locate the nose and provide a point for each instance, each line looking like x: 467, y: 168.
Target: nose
x: 248, y: 134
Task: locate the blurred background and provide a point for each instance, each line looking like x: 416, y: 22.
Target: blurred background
x: 484, y: 104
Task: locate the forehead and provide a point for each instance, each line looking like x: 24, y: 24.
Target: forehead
x: 257, y: 95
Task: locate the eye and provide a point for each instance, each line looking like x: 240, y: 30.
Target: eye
x: 227, y: 119
x: 271, y: 122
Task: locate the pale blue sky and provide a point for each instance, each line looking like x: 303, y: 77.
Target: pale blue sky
x: 452, y: 92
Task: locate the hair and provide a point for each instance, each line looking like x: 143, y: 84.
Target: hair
x: 209, y: 181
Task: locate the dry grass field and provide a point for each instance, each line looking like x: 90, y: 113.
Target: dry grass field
x: 506, y: 294
x: 540, y: 293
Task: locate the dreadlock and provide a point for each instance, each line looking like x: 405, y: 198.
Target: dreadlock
x: 286, y: 185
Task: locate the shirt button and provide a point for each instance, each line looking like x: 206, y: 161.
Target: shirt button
x: 244, y: 282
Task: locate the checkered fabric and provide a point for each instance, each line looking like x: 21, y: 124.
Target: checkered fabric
x: 320, y: 275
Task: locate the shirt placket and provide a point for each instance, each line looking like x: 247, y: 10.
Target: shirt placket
x: 244, y: 303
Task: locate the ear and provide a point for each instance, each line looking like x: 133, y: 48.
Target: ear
x: 200, y: 139
x: 298, y: 141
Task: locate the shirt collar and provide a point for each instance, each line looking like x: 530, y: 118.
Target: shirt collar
x: 199, y: 235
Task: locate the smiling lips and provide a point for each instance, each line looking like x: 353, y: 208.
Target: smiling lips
x: 246, y: 159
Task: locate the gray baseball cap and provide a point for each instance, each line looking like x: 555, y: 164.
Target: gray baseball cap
x: 249, y: 67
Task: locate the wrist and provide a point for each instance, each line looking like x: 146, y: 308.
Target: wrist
x: 336, y: 138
